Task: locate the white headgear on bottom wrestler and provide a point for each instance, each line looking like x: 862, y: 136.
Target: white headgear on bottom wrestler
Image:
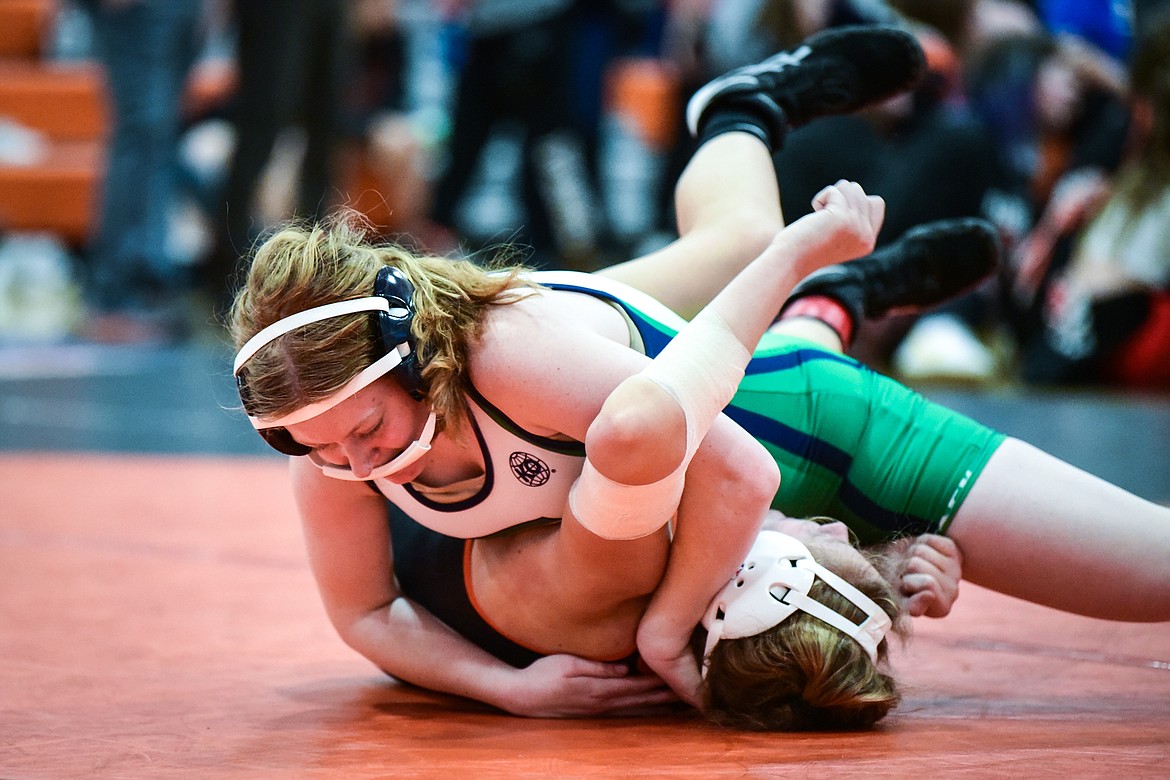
x: 773, y: 583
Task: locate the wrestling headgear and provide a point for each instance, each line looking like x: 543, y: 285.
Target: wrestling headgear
x: 391, y: 304
x: 773, y: 583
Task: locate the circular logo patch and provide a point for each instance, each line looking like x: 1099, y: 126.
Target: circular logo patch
x: 529, y: 469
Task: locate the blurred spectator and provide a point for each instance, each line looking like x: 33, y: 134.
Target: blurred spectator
x: 1107, y: 314
x: 1106, y: 24
x: 704, y: 39
x: 146, y: 48
x: 293, y: 59
x: 386, y: 171
x: 1060, y: 120
x: 1056, y: 112
x: 925, y: 153
x: 535, y: 72
x: 1146, y: 14
x: 515, y: 66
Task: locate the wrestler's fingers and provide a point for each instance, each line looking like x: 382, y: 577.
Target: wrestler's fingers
x: 877, y: 211
x: 912, y: 584
x: 826, y: 196
x: 607, y: 696
x: 849, y: 192
x: 936, y: 549
x: 940, y: 544
x: 871, y: 209
x: 929, y: 592
x: 583, y: 667
x: 658, y: 703
x: 648, y: 689
x: 925, y: 562
x: 920, y: 604
x: 944, y: 571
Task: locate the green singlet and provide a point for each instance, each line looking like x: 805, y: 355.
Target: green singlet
x: 851, y: 444
x: 855, y: 445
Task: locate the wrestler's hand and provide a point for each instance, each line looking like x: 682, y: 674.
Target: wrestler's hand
x: 930, y: 581
x: 565, y: 686
x: 843, y: 225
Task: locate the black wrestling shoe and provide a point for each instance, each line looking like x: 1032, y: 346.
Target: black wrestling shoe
x: 929, y: 264
x: 836, y: 71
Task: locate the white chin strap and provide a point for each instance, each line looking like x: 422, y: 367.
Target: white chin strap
x: 416, y: 450
x: 773, y: 583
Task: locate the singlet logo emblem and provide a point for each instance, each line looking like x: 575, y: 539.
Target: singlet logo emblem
x: 529, y: 469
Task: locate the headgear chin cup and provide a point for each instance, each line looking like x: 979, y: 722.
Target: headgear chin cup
x: 773, y: 583
x: 416, y: 450
x: 392, y: 305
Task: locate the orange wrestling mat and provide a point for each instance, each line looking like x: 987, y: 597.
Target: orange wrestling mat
x: 158, y: 620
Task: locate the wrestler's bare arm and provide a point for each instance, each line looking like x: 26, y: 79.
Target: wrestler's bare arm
x: 728, y: 206
x: 550, y: 374
x: 349, y: 551
x: 348, y: 543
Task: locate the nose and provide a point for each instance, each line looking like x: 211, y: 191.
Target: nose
x: 362, y: 460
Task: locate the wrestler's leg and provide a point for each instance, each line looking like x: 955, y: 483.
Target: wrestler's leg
x: 727, y: 200
x: 811, y: 329
x: 1040, y: 529
x: 728, y: 206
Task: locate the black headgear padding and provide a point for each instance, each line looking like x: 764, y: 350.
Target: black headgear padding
x: 394, y: 328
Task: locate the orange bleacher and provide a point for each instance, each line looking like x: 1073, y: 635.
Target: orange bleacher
x: 57, y: 189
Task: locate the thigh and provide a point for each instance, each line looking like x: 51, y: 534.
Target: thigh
x: 729, y: 211
x: 1037, y: 528
x: 857, y: 446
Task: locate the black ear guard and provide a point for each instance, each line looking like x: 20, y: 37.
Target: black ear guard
x: 394, y: 327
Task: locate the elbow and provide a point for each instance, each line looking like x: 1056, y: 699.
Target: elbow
x: 348, y: 630
x: 640, y: 435
x: 752, y: 481
x: 358, y: 629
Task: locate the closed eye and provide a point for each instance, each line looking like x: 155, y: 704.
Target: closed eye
x: 367, y: 434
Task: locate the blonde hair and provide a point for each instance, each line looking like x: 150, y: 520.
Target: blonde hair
x: 803, y: 674
x: 301, y: 266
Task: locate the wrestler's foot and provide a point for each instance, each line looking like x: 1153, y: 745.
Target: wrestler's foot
x: 929, y: 264
x: 836, y: 71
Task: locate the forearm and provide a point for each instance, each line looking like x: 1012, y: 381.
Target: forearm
x: 409, y: 643
x: 719, y: 517
x: 720, y: 514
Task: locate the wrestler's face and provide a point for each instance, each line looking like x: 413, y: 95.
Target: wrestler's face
x: 367, y: 430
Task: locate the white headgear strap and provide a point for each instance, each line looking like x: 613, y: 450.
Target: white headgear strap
x: 360, y: 381
x: 773, y: 583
